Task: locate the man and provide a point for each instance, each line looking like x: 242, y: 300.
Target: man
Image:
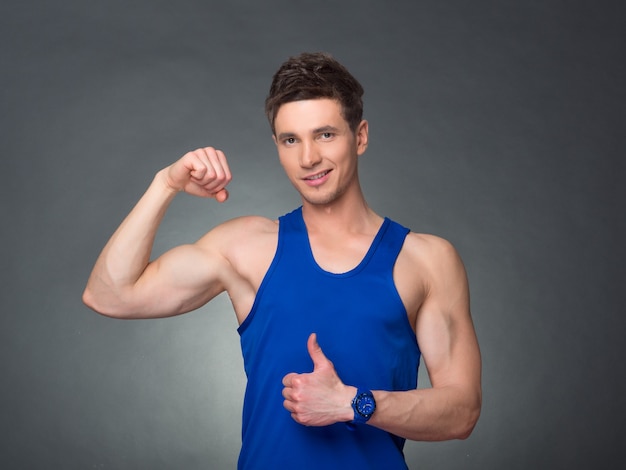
x: 330, y: 281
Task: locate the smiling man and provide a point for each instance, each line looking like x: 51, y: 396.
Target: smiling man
x: 335, y: 303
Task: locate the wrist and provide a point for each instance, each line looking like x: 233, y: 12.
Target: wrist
x: 363, y: 406
x: 162, y: 177
x: 348, y: 413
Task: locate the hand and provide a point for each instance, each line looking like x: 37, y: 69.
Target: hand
x: 203, y: 172
x: 318, y: 398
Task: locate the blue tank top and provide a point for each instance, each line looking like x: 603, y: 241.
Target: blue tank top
x: 361, y: 326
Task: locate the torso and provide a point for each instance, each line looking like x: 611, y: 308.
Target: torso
x: 251, y: 243
x: 297, y: 296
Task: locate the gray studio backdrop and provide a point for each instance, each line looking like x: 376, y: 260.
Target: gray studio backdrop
x: 496, y: 124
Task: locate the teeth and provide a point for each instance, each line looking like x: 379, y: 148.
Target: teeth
x: 316, y: 177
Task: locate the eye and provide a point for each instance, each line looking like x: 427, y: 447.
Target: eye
x: 326, y: 135
x: 290, y: 141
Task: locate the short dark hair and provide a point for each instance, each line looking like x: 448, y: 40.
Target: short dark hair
x: 315, y: 75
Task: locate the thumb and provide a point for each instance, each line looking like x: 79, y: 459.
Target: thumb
x: 221, y: 195
x: 316, y: 353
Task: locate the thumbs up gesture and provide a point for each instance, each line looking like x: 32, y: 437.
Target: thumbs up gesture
x: 318, y: 398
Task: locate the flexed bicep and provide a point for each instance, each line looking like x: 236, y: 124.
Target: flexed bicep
x: 181, y: 280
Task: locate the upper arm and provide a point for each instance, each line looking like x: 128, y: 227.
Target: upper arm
x: 180, y: 280
x: 232, y: 257
x: 444, y: 327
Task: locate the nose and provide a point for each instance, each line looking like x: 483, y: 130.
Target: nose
x: 309, y: 156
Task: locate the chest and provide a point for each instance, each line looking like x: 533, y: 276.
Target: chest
x: 344, y: 256
x: 339, y: 254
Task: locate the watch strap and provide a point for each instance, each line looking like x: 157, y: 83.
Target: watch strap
x: 363, y: 405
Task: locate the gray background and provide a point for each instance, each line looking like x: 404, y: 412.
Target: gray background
x: 496, y: 124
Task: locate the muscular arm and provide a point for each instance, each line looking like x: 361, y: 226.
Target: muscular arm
x: 448, y: 410
x: 124, y: 283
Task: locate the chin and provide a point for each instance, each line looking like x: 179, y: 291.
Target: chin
x: 320, y: 199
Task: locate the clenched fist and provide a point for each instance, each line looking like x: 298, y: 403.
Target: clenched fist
x: 203, y: 172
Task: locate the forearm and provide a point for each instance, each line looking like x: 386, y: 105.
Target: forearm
x: 127, y: 253
x: 427, y: 414
x: 439, y: 413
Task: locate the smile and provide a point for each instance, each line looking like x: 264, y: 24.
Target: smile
x: 317, y: 176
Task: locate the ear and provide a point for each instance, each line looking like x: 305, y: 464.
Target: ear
x: 274, y: 139
x: 362, y: 136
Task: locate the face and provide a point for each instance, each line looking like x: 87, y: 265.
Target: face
x: 318, y: 150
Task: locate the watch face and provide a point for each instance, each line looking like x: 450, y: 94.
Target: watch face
x: 365, y: 405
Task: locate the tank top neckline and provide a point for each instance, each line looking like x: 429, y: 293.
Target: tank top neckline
x: 356, y: 269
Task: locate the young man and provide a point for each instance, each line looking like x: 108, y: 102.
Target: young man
x: 330, y: 281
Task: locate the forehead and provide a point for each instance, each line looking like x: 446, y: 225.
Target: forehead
x: 305, y: 115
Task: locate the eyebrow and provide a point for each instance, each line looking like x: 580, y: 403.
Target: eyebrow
x: 285, y: 135
x: 321, y: 130
x: 318, y: 130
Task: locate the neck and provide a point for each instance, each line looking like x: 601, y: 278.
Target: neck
x: 347, y: 214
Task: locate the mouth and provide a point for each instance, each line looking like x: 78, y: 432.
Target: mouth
x: 316, y: 176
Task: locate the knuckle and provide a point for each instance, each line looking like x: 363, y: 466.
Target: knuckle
x: 210, y: 173
x: 295, y: 397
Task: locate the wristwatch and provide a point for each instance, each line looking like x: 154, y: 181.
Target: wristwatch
x: 363, y: 405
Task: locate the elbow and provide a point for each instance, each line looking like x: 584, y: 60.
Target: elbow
x: 89, y: 300
x: 465, y: 429
x: 107, y: 309
x: 469, y: 419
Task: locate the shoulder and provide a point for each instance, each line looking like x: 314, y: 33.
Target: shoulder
x: 250, y: 222
x: 431, y: 279
x: 429, y: 249
x: 434, y: 259
x: 247, y: 243
x: 237, y: 230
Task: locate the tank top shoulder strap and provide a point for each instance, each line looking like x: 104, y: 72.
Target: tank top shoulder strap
x: 292, y: 222
x: 389, y: 246
x: 292, y: 233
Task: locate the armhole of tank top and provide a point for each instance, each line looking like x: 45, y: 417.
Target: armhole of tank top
x: 406, y: 232
x: 268, y: 274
